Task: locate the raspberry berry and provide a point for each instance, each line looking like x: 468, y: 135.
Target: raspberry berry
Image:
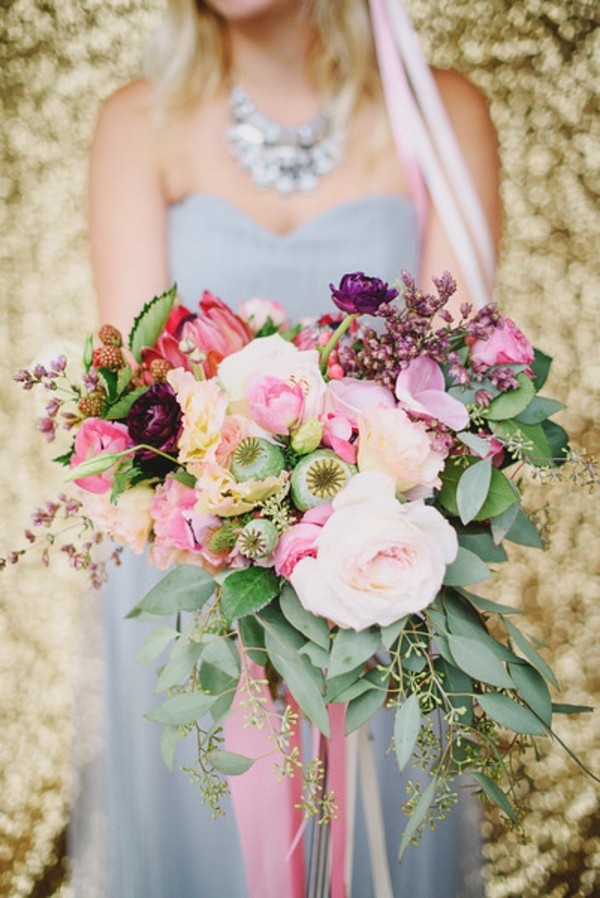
x: 110, y: 336
x: 159, y: 369
x: 92, y: 404
x: 109, y: 357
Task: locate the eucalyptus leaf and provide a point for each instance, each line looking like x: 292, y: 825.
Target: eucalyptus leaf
x: 540, y: 367
x: 478, y: 445
x: 407, y: 725
x: 253, y: 638
x: 467, y: 568
x: 221, y: 652
x: 229, y: 762
x: 478, y: 661
x: 317, y: 656
x: 179, y: 667
x: 533, y: 689
x: 248, y: 591
x: 314, y: 628
x: 154, y: 644
x: 182, y: 709
x: 464, y: 620
x: 458, y: 687
x: 168, y: 743
x: 472, y: 489
x: 501, y: 494
x: 536, y: 448
x: 336, y: 686
x: 539, y: 409
x: 417, y: 816
x: 482, y: 545
x: 185, y: 588
x: 513, y: 402
x: 511, y: 714
x: 501, y: 523
x: 392, y: 632
x: 495, y: 793
x: 351, y: 648
x: 487, y: 605
x: 558, y: 441
x: 560, y: 708
x: 524, y: 532
x: 363, y: 707
x: 530, y: 653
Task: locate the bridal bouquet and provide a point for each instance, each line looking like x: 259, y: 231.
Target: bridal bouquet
x: 323, y: 495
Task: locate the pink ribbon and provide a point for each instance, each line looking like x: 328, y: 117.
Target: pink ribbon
x: 336, y: 781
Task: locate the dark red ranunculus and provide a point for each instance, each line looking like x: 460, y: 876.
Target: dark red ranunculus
x: 155, y: 419
x: 359, y: 293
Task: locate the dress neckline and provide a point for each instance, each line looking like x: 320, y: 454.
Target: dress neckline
x: 353, y: 206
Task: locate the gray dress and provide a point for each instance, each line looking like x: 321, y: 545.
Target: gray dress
x: 161, y: 842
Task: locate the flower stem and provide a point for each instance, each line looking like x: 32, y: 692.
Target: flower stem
x: 335, y: 338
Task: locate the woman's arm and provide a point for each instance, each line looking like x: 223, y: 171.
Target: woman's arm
x: 469, y: 115
x: 127, y: 209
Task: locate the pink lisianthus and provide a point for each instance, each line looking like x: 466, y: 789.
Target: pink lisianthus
x: 389, y: 442
x: 339, y: 433
x: 95, y: 437
x: 420, y: 389
x: 215, y: 331
x: 506, y: 345
x: 276, y: 404
x: 255, y: 312
x: 345, y: 400
x: 300, y: 541
x: 181, y: 535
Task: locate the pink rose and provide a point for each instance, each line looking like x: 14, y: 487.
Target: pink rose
x: 276, y: 404
x: 94, y: 437
x: 300, y: 541
x: 507, y: 345
x: 420, y: 388
x: 393, y: 444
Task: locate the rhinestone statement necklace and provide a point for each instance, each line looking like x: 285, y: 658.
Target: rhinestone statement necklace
x: 280, y: 157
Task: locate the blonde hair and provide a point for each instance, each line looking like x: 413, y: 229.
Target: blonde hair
x: 186, y: 58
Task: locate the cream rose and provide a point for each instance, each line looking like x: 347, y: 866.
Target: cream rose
x: 388, y: 441
x: 129, y: 521
x: 377, y: 559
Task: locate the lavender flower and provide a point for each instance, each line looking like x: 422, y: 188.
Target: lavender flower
x: 360, y: 294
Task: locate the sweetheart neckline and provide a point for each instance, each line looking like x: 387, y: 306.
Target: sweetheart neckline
x: 311, y: 223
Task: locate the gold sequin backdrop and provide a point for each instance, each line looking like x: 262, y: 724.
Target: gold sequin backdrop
x: 539, y: 63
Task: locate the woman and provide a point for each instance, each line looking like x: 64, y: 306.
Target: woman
x: 179, y: 192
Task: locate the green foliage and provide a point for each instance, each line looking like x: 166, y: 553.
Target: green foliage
x: 185, y: 588
x: 247, y: 591
x: 149, y: 324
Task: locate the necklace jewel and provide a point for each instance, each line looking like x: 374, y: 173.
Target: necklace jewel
x: 281, y: 157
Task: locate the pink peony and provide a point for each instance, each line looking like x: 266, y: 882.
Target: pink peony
x: 181, y: 534
x: 300, y: 541
x: 94, y: 437
x: 506, y: 345
x: 420, y: 388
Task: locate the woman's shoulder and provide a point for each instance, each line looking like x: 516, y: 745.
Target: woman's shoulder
x: 129, y: 105
x: 466, y: 104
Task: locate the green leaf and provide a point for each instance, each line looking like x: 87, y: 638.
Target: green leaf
x: 229, y: 762
x: 317, y: 656
x: 530, y: 653
x: 559, y: 708
x: 304, y: 681
x: 495, y: 793
x: 464, y: 620
x: 501, y: 523
x: 185, y: 588
x: 182, y: 709
x: 478, y: 661
x: 406, y: 730
x: 168, y: 743
x: 501, y: 494
x: 482, y: 545
x: 417, y: 816
x: 513, y: 402
x: 524, y: 532
x: 540, y: 367
x: 458, y: 688
x: 510, y: 714
x: 183, y: 477
x: 337, y: 686
x: 539, y: 409
x: 314, y: 628
x: 150, y: 323
x: 122, y: 406
x: 467, y: 568
x: 488, y: 605
x: 221, y: 652
x: 533, y: 689
x: 392, y: 632
x: 363, y: 707
x: 472, y: 489
x: 154, y: 644
x: 351, y: 649
x: 477, y: 445
x: 558, y: 441
x: 88, y: 352
x: 179, y: 666
x: 248, y: 591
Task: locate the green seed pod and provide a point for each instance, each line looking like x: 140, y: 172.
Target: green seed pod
x: 318, y: 478
x: 258, y: 538
x: 255, y: 459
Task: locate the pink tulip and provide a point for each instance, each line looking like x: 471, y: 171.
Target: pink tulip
x: 420, y: 389
x: 95, y: 437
